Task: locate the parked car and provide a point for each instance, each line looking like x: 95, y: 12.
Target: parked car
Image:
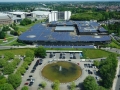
x: 30, y: 75
x: 33, y: 70
x: 40, y: 61
x: 69, y: 60
x: 28, y: 79
x: 32, y: 80
x: 31, y: 83
x: 26, y: 83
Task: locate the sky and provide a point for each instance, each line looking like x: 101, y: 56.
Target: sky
x: 50, y: 0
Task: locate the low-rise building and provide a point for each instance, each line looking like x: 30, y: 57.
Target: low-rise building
x: 5, y: 19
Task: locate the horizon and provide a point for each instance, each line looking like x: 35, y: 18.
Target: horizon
x: 61, y: 1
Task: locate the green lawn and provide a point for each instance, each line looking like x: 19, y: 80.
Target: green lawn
x: 12, y: 43
x: 88, y: 53
x: 15, y: 51
x: 69, y: 70
x: 8, y: 39
x: 95, y: 53
x: 114, y: 44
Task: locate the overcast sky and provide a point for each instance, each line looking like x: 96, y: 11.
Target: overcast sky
x: 50, y: 0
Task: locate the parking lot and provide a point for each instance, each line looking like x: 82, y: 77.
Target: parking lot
x: 33, y: 78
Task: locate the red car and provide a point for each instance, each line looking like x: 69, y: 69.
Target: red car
x: 26, y: 83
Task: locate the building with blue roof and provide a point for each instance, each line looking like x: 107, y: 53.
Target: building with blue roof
x: 66, y: 33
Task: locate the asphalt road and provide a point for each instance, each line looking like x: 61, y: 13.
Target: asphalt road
x: 118, y: 83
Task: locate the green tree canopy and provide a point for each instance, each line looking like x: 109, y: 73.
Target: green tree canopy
x: 28, y: 60
x: 101, y: 88
x: 3, y: 62
x: 72, y: 86
x: 25, y: 21
x: 8, y: 69
x: 107, y: 70
x: 24, y: 88
x: 2, y: 35
x: 14, y: 80
x: 56, y: 85
x: 9, y: 55
x: 5, y: 28
x: 43, y: 84
x: 30, y: 54
x: 2, y: 79
x: 40, y: 52
x: 96, y: 63
x: 90, y: 83
x: 6, y: 86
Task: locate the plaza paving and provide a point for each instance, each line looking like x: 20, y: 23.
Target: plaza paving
x: 39, y: 78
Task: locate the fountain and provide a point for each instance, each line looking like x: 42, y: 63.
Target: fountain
x: 60, y: 68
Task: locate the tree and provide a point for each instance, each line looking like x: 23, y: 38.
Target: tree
x: 6, y: 86
x: 24, y: 88
x: 21, y: 70
x: 30, y: 54
x: 72, y: 86
x: 108, y: 70
x: 3, y: 62
x: 25, y: 21
x: 9, y: 55
x: 43, y: 84
x: 15, y: 33
x: 90, y: 83
x: 25, y: 64
x: 2, y: 35
x: 101, y: 88
x: 96, y: 63
x: 56, y: 85
x: 5, y: 28
x: 28, y: 60
x: 40, y: 52
x: 2, y: 80
x: 8, y: 69
x: 14, y: 80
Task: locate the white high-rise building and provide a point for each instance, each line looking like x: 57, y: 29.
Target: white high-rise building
x: 55, y: 16
x: 67, y: 15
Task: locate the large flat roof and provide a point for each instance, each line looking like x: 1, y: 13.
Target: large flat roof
x: 41, y: 12
x: 18, y: 13
x: 40, y: 32
x: 64, y: 28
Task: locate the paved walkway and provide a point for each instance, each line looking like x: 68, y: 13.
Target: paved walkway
x: 116, y: 78
x: 21, y: 62
x: 114, y: 50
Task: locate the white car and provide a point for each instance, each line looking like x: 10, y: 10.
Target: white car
x: 32, y: 80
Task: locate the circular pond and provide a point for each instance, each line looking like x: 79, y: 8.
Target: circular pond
x: 62, y: 71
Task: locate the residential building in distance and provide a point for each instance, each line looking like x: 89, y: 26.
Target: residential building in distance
x: 40, y: 14
x: 58, y: 16
x: 18, y: 16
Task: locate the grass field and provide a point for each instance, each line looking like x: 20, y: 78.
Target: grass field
x: 15, y: 51
x: 88, y: 53
x: 8, y: 39
x: 114, y: 44
x: 69, y: 72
